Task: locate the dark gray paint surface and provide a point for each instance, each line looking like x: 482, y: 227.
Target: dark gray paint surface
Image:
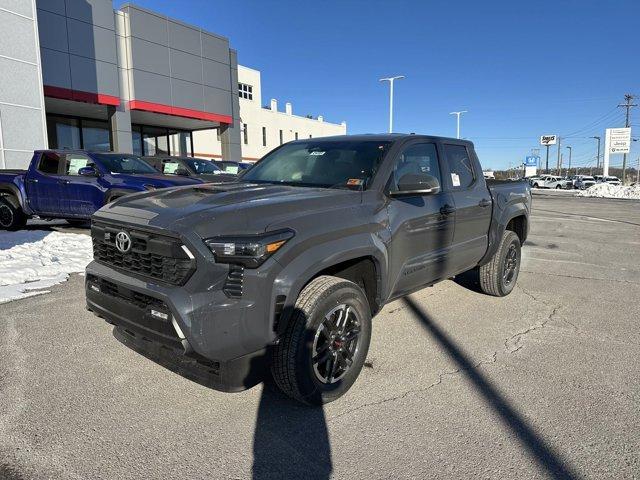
x: 409, y: 239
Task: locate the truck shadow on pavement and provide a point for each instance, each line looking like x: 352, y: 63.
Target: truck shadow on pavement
x: 546, y: 457
x: 290, y: 440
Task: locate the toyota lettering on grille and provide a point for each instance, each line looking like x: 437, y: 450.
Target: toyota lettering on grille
x: 123, y: 242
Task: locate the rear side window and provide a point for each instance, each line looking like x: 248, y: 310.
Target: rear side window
x: 169, y: 167
x: 460, y: 166
x: 49, y: 163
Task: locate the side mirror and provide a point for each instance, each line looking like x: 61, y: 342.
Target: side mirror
x: 88, y: 172
x: 417, y: 184
x: 183, y: 172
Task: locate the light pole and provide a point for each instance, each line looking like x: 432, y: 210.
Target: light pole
x: 457, y: 114
x: 570, y: 148
x: 598, y: 157
x: 391, y: 80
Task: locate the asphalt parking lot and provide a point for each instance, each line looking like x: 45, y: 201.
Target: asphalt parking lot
x: 544, y: 383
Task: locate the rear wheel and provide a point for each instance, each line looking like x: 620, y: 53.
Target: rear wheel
x: 498, y: 277
x: 535, y: 185
x: 558, y: 187
x: 326, y: 341
x: 11, y: 217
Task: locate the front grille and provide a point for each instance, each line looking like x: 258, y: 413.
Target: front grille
x: 152, y: 256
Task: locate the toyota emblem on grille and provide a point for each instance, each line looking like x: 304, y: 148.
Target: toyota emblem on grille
x: 123, y: 242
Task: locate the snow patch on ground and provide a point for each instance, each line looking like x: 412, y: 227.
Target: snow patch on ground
x: 606, y: 190
x: 32, y: 261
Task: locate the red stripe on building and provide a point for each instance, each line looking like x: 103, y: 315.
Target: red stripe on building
x: 80, y: 96
x: 179, y: 112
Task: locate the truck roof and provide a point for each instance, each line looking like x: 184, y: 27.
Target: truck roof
x: 380, y: 137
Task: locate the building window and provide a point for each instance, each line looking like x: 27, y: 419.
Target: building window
x: 280, y: 137
x: 245, y: 134
x: 296, y: 135
x: 218, y: 134
x: 78, y: 133
x: 245, y: 91
x: 264, y: 136
x: 150, y: 141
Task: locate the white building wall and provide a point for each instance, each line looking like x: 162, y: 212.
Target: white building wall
x: 273, y: 119
x: 22, y: 119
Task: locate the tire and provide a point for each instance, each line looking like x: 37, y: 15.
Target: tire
x: 535, y: 185
x: 320, y: 306
x: 493, y: 277
x: 558, y: 187
x: 11, y: 217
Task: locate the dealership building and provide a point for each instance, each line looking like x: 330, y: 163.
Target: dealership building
x: 77, y: 74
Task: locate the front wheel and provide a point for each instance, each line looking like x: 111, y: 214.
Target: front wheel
x: 558, y: 187
x: 535, y: 185
x: 498, y: 277
x: 326, y: 341
x: 11, y: 217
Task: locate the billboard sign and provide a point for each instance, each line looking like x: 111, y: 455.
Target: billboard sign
x: 546, y: 140
x: 619, y: 140
x: 531, y: 161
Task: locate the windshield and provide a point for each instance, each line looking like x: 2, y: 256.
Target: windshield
x: 122, y: 163
x: 326, y: 164
x: 201, y: 167
x: 588, y: 179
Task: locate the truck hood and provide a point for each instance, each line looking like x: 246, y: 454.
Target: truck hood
x: 157, y: 180
x: 225, y: 209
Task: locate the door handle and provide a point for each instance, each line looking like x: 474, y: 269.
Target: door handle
x: 63, y: 182
x: 484, y: 203
x: 32, y: 180
x: 447, y: 209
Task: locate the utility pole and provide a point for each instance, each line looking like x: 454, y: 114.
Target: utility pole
x: 569, y: 168
x: 638, y: 172
x: 457, y: 114
x: 628, y: 105
x: 559, y: 172
x: 598, y: 157
x: 546, y: 168
x: 391, y: 80
x: 558, y: 152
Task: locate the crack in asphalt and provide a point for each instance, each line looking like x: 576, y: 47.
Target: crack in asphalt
x: 581, y: 278
x: 516, y: 338
x: 494, y: 357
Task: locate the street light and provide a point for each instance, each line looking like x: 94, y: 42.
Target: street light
x: 598, y: 157
x: 570, y: 148
x: 391, y: 80
x: 457, y: 114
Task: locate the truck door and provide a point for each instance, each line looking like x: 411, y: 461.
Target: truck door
x: 421, y: 225
x: 82, y: 194
x: 472, y: 202
x: 42, y: 184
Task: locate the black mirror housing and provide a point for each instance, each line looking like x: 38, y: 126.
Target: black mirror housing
x: 417, y: 184
x: 88, y: 172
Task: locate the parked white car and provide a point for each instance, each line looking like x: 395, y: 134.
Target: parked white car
x: 583, y: 182
x: 551, y: 181
x: 608, y: 179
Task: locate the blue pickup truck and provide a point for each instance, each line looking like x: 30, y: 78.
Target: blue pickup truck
x: 73, y: 184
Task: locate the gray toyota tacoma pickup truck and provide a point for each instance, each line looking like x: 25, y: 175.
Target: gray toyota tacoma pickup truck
x: 281, y: 272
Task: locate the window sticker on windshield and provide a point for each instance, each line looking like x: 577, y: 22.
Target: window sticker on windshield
x: 317, y: 153
x: 355, y: 182
x: 455, y: 179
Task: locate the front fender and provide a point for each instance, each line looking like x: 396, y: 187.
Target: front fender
x: 298, y: 271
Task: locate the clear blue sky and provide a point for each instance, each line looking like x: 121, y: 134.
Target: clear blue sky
x: 522, y: 69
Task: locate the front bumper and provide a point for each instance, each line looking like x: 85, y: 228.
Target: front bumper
x: 206, y: 336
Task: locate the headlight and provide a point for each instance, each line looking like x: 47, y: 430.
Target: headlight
x: 251, y: 250
x: 148, y: 186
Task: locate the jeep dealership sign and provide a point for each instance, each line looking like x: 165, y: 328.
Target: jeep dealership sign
x: 619, y: 140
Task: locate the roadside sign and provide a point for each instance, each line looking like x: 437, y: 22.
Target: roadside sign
x: 547, y: 140
x: 531, y: 160
x: 619, y: 140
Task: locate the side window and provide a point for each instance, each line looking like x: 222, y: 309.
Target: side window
x: 417, y: 159
x: 76, y: 161
x: 460, y: 166
x: 49, y: 163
